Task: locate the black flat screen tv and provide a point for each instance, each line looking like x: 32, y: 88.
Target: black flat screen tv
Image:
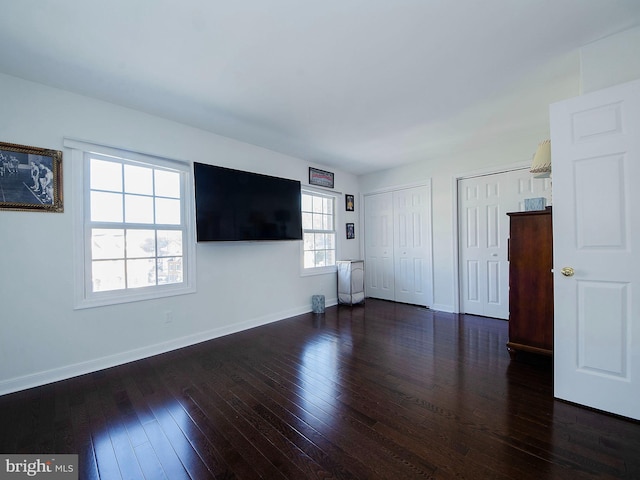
x: 233, y: 205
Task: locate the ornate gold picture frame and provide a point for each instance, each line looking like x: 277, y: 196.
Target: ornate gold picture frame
x: 30, y: 178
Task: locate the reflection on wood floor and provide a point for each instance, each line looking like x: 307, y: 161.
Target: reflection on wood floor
x: 382, y: 390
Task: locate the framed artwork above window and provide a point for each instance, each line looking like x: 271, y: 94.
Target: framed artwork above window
x: 320, y: 178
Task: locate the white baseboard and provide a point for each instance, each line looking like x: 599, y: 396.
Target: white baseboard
x: 440, y: 307
x: 68, y: 371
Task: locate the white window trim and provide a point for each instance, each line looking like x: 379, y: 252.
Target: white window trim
x: 305, y: 272
x: 82, y: 268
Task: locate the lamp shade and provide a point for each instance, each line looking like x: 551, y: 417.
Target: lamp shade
x: 541, y: 165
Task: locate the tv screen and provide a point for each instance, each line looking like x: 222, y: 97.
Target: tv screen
x: 232, y: 205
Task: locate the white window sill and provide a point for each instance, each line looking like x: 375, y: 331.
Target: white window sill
x: 307, y: 272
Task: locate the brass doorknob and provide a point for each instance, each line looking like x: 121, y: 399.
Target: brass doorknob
x: 567, y: 271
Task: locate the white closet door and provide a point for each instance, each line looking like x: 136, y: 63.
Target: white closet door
x: 483, y: 231
x: 378, y: 236
x: 412, y: 246
x: 398, y: 246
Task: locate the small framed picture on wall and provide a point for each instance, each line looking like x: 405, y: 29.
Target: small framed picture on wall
x: 351, y: 231
x: 349, y: 203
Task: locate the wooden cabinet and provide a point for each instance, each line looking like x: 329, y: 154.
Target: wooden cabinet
x: 530, y: 282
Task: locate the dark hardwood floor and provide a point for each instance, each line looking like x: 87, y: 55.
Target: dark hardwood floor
x: 382, y: 390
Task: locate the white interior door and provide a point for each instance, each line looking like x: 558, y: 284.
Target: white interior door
x: 596, y: 227
x: 378, y: 238
x: 412, y: 246
x: 483, y: 204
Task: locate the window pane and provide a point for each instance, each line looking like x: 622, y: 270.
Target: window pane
x: 327, y: 222
x: 307, y: 202
x: 106, y: 243
x: 328, y: 206
x: 307, y: 221
x: 169, y: 243
x: 320, y: 258
x: 309, y: 259
x: 141, y: 243
x: 106, y: 207
x: 331, y: 257
x: 308, y: 241
x: 331, y: 241
x: 317, y: 221
x: 107, y: 275
x: 141, y: 273
x: 167, y: 211
x: 138, y: 209
x: 167, y: 184
x: 138, y: 180
x: 105, y: 175
x: 317, y: 205
x: 169, y: 270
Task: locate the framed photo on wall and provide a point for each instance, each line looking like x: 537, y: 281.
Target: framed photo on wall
x: 320, y: 178
x: 30, y: 178
x: 351, y: 231
x: 349, y: 203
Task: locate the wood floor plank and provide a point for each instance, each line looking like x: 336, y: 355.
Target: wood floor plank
x: 105, y: 456
x: 227, y: 432
x: 310, y: 457
x: 323, y: 407
x: 336, y: 460
x: 149, y: 463
x: 174, y: 425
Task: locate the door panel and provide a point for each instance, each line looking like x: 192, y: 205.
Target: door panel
x: 473, y: 281
x: 591, y: 175
x: 601, y: 300
x: 595, y: 141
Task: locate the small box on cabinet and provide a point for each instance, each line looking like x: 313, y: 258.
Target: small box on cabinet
x: 532, y: 204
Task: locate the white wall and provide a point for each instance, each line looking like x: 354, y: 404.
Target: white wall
x: 513, y: 125
x: 443, y: 172
x: 239, y: 285
x: 42, y: 338
x: 610, y: 61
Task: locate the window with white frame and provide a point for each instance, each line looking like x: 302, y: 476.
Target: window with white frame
x: 137, y: 235
x: 318, y: 224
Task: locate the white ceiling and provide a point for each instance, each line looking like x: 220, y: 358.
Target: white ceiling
x: 361, y: 85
